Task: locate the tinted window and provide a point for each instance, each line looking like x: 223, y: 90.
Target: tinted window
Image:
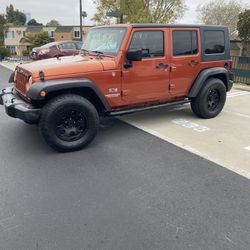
x: 214, y: 42
x: 150, y: 42
x: 67, y: 46
x: 185, y: 42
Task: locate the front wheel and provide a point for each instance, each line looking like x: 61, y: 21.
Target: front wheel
x: 68, y: 122
x: 210, y: 100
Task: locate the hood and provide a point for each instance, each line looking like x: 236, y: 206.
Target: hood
x: 69, y: 66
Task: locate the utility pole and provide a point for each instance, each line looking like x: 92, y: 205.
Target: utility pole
x: 81, y: 20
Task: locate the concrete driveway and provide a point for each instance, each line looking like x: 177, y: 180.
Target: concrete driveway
x: 128, y: 190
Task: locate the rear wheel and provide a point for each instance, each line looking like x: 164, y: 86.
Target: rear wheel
x: 68, y: 122
x: 31, y: 122
x: 210, y: 100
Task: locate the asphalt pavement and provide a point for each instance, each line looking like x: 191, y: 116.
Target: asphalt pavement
x: 128, y: 190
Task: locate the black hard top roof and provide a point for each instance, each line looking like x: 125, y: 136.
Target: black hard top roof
x: 152, y: 25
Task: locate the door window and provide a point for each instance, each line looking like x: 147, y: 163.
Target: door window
x: 185, y: 42
x: 150, y: 42
x: 67, y: 46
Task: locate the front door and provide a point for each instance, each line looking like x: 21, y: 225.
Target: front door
x: 185, y: 61
x: 147, y: 80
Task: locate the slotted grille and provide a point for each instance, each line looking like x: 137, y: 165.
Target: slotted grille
x: 21, y: 80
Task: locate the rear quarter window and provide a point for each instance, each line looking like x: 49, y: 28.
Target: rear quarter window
x: 214, y: 42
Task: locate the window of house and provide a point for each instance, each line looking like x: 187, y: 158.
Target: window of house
x: 12, y: 49
x: 214, y: 41
x: 150, y: 42
x: 185, y: 42
x: 10, y: 34
x: 77, y: 34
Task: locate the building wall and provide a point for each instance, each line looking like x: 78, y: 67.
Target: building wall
x: 50, y: 30
x: 63, y: 36
x: 235, y: 52
x: 18, y: 35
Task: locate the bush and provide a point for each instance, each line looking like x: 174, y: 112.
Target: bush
x: 4, y: 53
x: 26, y: 52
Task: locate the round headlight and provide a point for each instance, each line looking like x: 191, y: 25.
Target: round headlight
x: 30, y: 81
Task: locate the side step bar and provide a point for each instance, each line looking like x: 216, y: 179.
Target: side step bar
x: 145, y: 108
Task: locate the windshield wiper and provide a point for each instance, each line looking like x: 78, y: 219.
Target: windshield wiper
x: 97, y: 52
x: 85, y: 51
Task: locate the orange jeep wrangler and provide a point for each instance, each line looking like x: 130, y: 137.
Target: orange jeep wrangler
x: 121, y: 69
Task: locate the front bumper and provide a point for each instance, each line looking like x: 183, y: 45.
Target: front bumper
x: 17, y: 107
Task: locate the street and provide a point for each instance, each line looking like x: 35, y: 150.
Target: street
x: 130, y: 189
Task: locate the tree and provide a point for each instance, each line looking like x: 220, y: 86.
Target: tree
x: 221, y: 13
x: 84, y: 14
x: 33, y: 22
x: 38, y: 39
x: 53, y: 23
x: 140, y: 11
x: 2, y: 28
x: 243, y: 25
x: 15, y: 16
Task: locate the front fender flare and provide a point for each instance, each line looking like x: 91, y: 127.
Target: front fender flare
x: 50, y: 86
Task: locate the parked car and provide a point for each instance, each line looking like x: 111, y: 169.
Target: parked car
x: 122, y: 69
x: 55, y: 49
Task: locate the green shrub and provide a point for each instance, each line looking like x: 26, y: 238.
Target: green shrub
x: 4, y: 52
x: 26, y: 52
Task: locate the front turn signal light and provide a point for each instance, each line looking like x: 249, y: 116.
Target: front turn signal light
x: 42, y: 93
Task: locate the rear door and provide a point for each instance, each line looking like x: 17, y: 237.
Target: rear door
x: 185, y: 61
x: 147, y: 80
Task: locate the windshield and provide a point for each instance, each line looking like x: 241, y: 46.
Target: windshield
x: 104, y: 40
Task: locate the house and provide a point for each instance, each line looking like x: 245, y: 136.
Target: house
x: 15, y: 40
x: 235, y: 48
x: 239, y: 48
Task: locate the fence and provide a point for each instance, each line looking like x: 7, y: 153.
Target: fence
x: 241, y: 69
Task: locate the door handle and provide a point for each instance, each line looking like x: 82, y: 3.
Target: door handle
x: 161, y: 66
x: 193, y: 63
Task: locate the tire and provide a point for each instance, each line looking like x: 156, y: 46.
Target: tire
x: 68, y: 122
x: 31, y: 122
x: 210, y: 100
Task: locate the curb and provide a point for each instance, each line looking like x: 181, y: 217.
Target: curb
x: 241, y: 86
x: 10, y: 67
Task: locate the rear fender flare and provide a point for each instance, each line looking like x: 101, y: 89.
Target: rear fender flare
x: 203, y: 76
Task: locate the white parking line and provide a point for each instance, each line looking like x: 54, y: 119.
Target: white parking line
x: 187, y: 124
x: 247, y: 148
x: 238, y: 114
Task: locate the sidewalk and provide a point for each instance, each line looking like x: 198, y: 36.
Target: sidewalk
x: 9, y: 65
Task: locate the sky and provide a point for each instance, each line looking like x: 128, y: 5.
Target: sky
x: 67, y: 11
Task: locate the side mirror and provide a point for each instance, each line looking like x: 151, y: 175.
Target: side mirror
x: 134, y: 55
